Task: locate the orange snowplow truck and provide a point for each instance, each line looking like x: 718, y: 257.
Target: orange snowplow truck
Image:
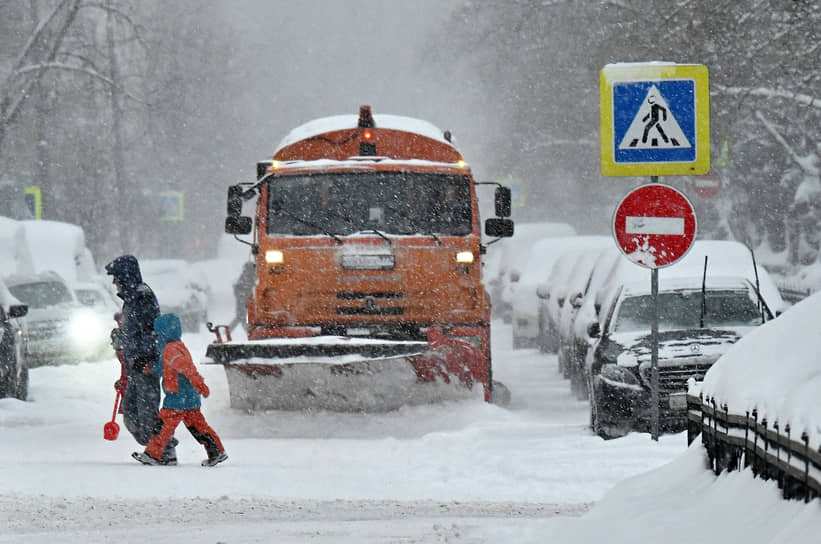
x: 368, y: 254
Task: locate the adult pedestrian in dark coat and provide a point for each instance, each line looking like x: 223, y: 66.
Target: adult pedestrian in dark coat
x: 141, y: 400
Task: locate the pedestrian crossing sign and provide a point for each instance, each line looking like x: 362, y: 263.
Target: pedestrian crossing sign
x: 655, y: 119
x: 171, y: 206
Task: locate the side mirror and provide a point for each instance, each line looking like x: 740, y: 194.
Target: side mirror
x: 497, y: 227
x: 262, y: 167
x: 593, y: 329
x: 18, y: 310
x: 501, y: 200
x: 234, y: 207
x: 238, y: 225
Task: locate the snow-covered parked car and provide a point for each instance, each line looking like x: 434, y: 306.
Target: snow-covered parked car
x: 698, y: 321
x: 59, y: 247
x: 14, y: 374
x: 542, y: 256
x: 58, y: 328
x: 551, y: 291
x: 578, y: 342
x: 508, y: 259
x: 717, y: 276
x: 180, y: 288
x: 15, y: 254
x: 577, y: 287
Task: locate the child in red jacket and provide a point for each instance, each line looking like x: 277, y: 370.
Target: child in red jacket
x: 182, y: 385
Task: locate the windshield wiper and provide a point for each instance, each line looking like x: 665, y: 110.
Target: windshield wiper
x: 355, y: 225
x: 276, y: 206
x: 381, y: 235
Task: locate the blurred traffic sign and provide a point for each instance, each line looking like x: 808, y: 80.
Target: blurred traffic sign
x: 707, y: 185
x: 655, y: 119
x: 654, y: 225
x: 171, y: 206
x: 34, y: 202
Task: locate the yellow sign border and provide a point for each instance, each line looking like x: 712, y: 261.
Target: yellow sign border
x: 38, y: 200
x: 179, y: 196
x: 655, y: 72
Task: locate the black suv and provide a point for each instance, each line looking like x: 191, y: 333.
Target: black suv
x: 696, y: 326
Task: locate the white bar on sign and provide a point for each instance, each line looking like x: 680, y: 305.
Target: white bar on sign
x: 654, y: 225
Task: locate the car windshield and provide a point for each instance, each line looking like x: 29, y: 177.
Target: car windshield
x: 41, y: 294
x: 350, y: 202
x: 683, y: 310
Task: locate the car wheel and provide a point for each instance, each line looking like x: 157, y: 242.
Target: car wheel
x: 578, y: 382
x: 6, y: 387
x: 21, y: 392
x: 594, y: 416
x: 596, y: 424
x: 583, y: 391
x: 564, y: 368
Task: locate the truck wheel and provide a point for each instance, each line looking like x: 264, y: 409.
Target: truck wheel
x: 500, y: 394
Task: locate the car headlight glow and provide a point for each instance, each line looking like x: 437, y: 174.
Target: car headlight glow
x: 86, y: 328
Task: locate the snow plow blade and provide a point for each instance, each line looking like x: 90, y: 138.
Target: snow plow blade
x: 344, y: 374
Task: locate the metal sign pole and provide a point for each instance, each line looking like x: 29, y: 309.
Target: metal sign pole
x: 654, y: 353
x: 654, y: 346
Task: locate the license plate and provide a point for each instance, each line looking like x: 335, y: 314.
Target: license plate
x: 678, y: 401
x: 368, y: 262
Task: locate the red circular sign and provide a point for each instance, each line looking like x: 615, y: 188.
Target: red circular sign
x: 654, y: 225
x: 708, y: 185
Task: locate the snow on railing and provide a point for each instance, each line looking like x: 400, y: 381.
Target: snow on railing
x: 772, y: 451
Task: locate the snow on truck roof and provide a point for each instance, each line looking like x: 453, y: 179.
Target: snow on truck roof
x: 350, y: 121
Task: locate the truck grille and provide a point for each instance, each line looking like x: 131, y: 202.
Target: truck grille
x: 367, y: 303
x: 374, y: 310
x: 356, y: 295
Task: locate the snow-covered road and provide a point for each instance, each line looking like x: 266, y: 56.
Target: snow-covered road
x: 420, y: 474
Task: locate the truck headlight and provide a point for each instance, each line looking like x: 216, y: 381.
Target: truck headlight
x: 464, y: 257
x: 274, y: 256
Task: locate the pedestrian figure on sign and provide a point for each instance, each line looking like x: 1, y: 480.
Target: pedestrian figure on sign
x: 182, y: 385
x: 134, y: 338
x: 653, y: 117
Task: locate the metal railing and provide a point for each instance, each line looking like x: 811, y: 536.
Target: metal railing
x: 773, y: 452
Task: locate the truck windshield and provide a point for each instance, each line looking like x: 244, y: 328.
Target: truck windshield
x: 349, y: 202
x: 682, y: 310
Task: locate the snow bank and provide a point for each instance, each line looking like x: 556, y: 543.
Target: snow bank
x: 776, y: 370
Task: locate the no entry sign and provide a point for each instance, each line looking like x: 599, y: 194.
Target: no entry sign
x: 708, y: 185
x: 654, y: 225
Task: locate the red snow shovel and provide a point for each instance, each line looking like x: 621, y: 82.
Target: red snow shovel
x: 111, y: 430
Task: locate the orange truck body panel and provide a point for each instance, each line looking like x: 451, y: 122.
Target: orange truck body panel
x: 309, y: 292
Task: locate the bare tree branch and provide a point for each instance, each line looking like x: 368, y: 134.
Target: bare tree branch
x: 770, y: 93
x: 82, y: 69
x: 8, y: 109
